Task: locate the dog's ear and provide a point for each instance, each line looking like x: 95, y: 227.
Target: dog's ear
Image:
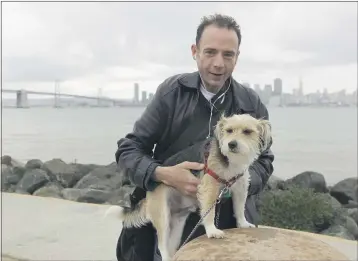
x: 265, y: 133
x: 219, y: 126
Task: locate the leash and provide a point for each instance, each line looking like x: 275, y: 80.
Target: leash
x: 224, y: 190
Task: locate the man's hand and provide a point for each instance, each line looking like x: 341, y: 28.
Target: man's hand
x: 180, y: 177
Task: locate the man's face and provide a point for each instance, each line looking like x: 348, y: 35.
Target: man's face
x: 216, y: 56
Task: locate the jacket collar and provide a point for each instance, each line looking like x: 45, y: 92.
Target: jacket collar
x: 190, y: 80
x: 241, y: 95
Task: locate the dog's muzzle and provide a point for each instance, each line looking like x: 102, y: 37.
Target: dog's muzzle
x: 233, y: 146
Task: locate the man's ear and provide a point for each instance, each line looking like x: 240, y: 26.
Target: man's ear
x: 265, y: 133
x: 237, y: 56
x: 194, y: 51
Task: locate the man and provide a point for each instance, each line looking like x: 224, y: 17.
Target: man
x: 183, y: 112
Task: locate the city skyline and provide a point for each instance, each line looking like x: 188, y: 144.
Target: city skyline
x: 136, y: 92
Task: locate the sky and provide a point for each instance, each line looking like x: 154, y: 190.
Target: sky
x: 94, y: 47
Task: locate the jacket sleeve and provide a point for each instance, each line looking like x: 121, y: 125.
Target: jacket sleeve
x: 261, y: 170
x: 135, y: 150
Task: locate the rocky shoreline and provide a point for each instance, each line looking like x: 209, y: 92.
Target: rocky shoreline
x: 101, y: 184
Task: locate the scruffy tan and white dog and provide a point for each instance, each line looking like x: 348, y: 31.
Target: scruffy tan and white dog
x: 238, y: 141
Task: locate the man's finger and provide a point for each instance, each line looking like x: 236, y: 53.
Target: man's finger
x: 191, y: 189
x: 192, y: 165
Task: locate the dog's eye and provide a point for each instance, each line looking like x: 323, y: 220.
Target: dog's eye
x: 247, y: 131
x: 229, y: 130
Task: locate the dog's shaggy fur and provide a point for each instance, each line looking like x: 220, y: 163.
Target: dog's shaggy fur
x: 238, y: 141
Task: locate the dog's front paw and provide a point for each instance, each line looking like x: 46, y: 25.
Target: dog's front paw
x: 213, y: 232
x: 245, y: 224
x: 166, y: 257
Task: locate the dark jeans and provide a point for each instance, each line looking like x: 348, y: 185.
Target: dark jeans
x: 140, y: 244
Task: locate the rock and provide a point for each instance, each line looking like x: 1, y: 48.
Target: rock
x: 274, y: 183
x: 60, y: 171
x: 258, y: 244
x: 86, y: 195
x: 32, y: 180
x: 308, y: 179
x: 121, y: 196
x: 9, y: 161
x: 353, y: 213
x: 6, y: 160
x: 7, y: 177
x: 10, y: 176
x: 84, y: 169
x: 351, y: 204
x: 34, y: 164
x: 334, y: 202
x: 346, y: 190
x: 338, y: 231
x: 51, y: 189
x: 342, y: 218
x: 102, y: 178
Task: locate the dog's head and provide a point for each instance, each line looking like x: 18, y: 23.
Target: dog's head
x: 242, y: 137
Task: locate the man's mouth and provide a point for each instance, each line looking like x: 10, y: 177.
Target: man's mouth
x: 216, y: 74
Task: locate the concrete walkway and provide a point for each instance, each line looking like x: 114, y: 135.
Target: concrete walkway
x: 40, y: 228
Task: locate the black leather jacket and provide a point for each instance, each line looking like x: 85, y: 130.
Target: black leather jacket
x: 163, y: 120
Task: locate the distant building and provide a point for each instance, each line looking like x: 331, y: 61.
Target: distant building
x: 136, y: 93
x: 144, y: 96
x: 277, y: 86
x: 268, y: 90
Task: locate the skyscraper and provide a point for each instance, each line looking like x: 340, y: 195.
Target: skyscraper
x: 136, y: 93
x: 277, y: 86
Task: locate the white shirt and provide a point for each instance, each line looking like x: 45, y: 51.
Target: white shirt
x: 208, y: 95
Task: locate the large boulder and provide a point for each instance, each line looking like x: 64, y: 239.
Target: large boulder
x: 308, y: 179
x: 9, y: 161
x: 34, y: 164
x: 341, y: 220
x: 62, y: 172
x: 338, y: 231
x: 32, y: 180
x: 274, y: 182
x: 346, y: 190
x: 102, y: 178
x: 258, y: 244
x: 353, y: 213
x: 10, y: 176
x: 51, y: 189
x: 88, y: 195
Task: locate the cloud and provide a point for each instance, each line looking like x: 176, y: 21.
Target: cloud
x: 124, y: 42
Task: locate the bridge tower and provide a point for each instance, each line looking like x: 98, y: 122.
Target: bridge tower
x: 57, y: 102
x: 99, y: 96
x: 21, y: 99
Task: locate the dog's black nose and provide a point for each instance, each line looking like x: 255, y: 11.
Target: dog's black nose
x: 233, y: 144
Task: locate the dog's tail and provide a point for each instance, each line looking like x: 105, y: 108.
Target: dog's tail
x: 136, y: 217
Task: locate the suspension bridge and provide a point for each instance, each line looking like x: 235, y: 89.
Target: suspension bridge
x: 22, y: 98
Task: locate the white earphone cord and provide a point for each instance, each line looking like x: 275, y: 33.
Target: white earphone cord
x: 213, y: 104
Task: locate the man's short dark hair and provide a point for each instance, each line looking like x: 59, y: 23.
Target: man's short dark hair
x: 221, y: 21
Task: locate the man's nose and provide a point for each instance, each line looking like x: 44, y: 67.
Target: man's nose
x: 219, y: 61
